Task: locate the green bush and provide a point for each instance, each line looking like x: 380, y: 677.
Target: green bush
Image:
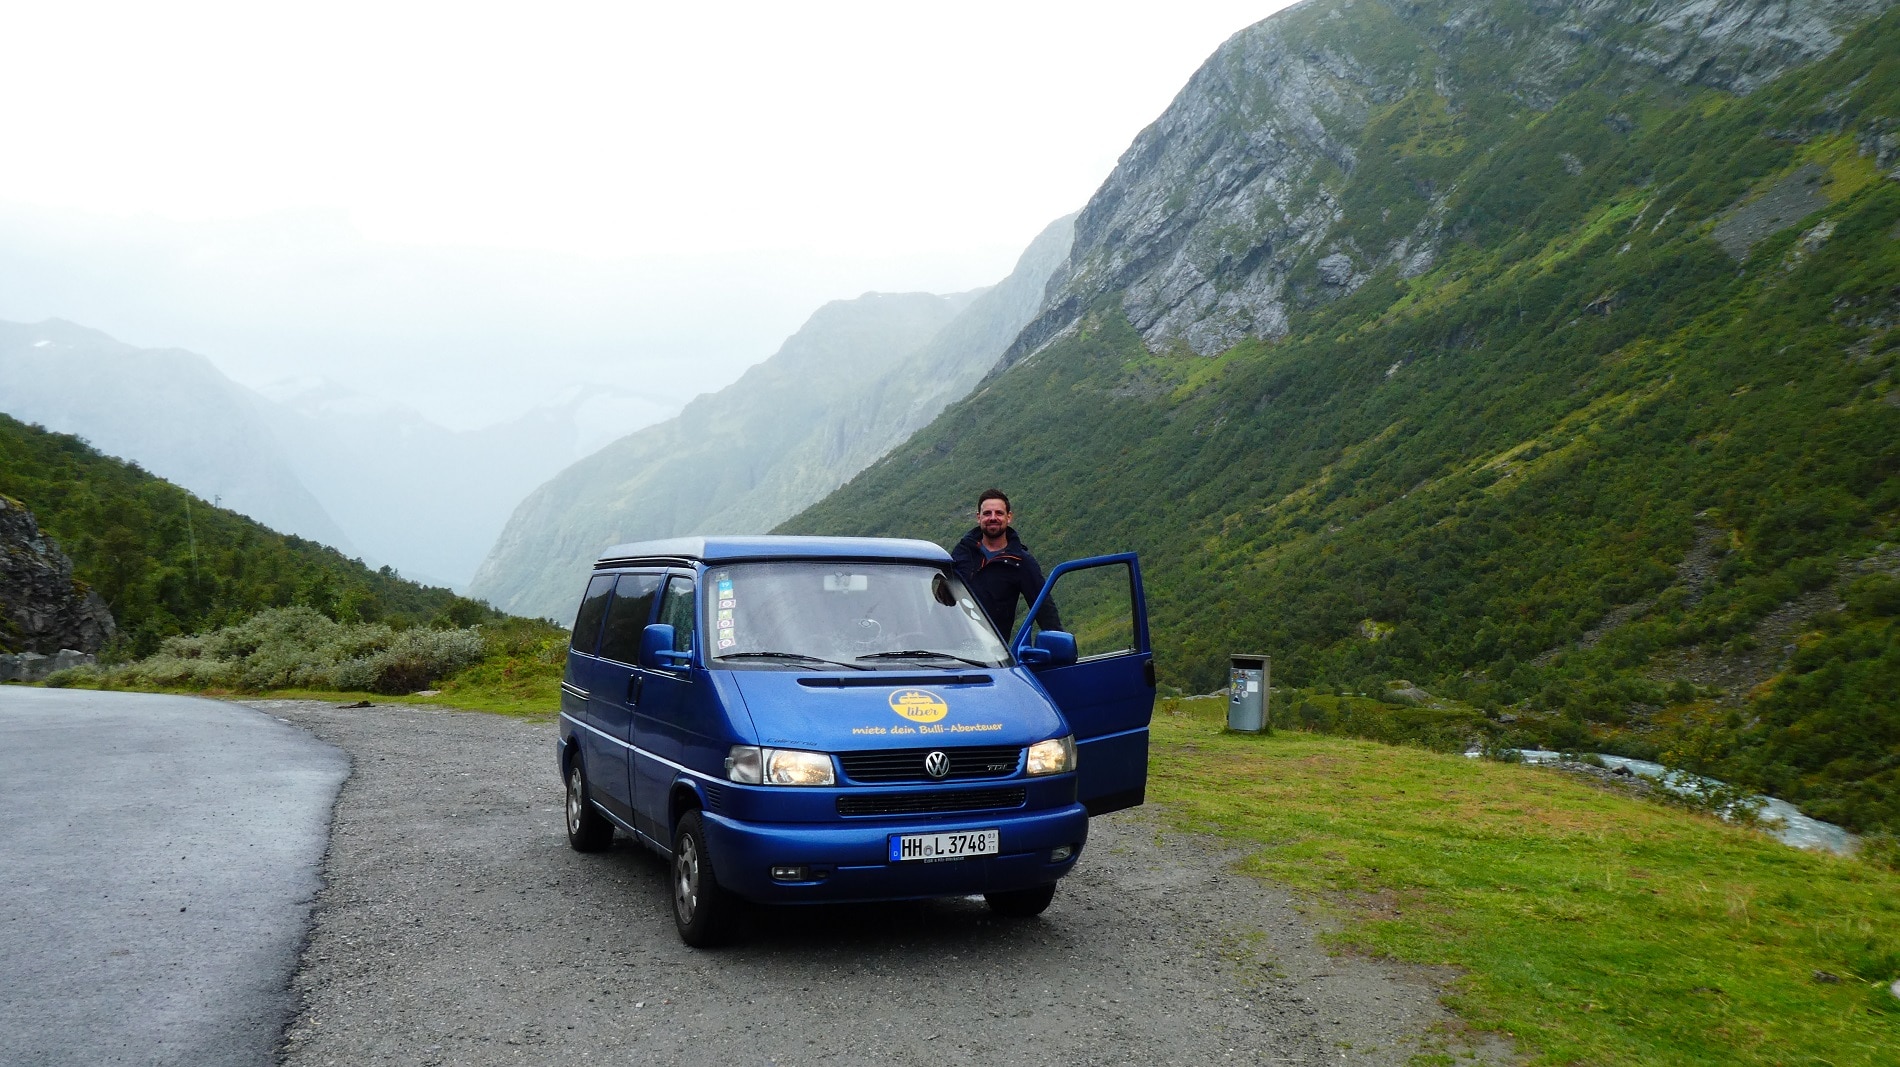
x: 296, y: 648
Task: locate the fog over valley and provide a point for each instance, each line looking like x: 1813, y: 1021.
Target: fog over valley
x: 401, y: 301
x: 467, y: 337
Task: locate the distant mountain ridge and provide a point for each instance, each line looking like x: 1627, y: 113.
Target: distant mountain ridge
x: 319, y: 461
x: 168, y: 409
x: 857, y: 379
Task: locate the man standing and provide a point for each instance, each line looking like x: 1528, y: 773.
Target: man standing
x: 992, y: 561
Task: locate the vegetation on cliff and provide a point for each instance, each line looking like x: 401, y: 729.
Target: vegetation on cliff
x: 1622, y: 467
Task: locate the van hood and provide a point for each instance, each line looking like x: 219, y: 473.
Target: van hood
x: 853, y: 712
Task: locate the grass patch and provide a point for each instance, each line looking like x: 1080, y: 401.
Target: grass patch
x: 520, y: 674
x: 1590, y: 927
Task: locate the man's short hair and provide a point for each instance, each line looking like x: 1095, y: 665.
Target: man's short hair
x: 993, y: 494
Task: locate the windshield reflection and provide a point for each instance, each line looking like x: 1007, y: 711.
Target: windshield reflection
x: 845, y: 616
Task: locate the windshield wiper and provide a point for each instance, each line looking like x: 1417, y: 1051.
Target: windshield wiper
x: 924, y: 653
x: 798, y: 656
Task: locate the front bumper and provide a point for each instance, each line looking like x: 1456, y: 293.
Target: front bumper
x: 850, y: 861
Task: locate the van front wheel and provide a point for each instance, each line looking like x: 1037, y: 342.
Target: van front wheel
x: 701, y: 908
x: 1022, y: 903
x: 587, y: 829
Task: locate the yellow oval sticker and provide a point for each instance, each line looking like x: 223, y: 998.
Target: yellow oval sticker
x: 919, y: 705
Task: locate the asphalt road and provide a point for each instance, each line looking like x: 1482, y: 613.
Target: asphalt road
x: 456, y: 927
x: 159, y: 857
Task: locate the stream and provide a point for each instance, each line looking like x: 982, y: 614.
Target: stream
x: 1779, y: 819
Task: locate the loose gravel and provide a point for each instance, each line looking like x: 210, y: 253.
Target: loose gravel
x: 457, y: 927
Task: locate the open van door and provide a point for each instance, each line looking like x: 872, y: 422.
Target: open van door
x: 1104, y: 679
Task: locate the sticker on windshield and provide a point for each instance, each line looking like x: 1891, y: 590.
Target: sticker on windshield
x: 919, y: 705
x: 724, y: 609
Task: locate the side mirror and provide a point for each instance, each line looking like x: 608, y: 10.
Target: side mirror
x: 1052, y: 648
x: 656, y: 648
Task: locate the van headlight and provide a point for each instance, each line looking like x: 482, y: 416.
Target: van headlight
x: 1053, y: 756
x: 778, y: 766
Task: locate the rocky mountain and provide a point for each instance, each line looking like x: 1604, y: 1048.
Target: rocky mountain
x: 1325, y: 145
x: 43, y: 609
x: 853, y: 382
x: 170, y: 410
x: 1543, y: 355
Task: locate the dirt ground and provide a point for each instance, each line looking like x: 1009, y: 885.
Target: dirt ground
x: 455, y: 926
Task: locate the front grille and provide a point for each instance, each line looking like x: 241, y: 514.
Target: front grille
x: 923, y: 803
x: 907, y: 764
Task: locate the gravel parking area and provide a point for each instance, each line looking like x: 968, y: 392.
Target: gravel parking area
x: 457, y: 927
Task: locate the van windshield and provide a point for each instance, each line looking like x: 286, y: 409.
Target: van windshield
x: 850, y: 616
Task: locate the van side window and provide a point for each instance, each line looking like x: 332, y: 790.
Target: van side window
x: 593, y: 606
x: 627, y: 617
x: 677, y: 609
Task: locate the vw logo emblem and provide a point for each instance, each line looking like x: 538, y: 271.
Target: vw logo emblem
x: 937, y: 764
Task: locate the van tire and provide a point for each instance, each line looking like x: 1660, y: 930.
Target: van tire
x: 1022, y: 903
x: 702, y: 909
x: 587, y: 829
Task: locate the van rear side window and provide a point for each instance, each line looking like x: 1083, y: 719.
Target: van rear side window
x: 593, y: 606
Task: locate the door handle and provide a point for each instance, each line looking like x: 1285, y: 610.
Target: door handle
x: 633, y: 689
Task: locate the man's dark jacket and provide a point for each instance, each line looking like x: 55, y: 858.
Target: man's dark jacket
x: 998, y: 580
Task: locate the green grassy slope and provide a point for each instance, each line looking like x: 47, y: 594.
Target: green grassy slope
x: 1588, y: 926
x: 1589, y: 440
x: 168, y: 563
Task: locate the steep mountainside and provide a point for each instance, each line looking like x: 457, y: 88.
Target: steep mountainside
x: 1541, y: 354
x: 855, y: 380
x: 169, y: 409
x: 1331, y: 141
x: 166, y: 562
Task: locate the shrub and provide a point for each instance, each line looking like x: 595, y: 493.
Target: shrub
x: 300, y: 648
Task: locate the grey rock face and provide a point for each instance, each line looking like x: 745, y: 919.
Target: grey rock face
x: 42, y: 608
x: 1737, y: 45
x: 1788, y: 202
x: 1223, y: 216
x: 1409, y: 695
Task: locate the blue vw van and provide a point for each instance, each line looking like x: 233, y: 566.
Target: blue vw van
x: 804, y: 719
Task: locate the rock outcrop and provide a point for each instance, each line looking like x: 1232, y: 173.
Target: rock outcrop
x: 1228, y: 214
x: 44, y: 611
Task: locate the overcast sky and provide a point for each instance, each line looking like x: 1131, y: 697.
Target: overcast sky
x: 471, y: 207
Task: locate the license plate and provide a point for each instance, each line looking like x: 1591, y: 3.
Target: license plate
x: 944, y: 846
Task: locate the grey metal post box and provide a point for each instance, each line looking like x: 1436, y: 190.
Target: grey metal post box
x: 1247, y: 683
